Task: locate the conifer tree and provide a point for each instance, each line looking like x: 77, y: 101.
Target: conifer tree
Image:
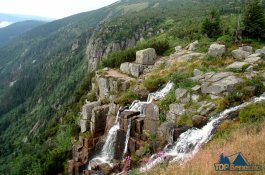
x: 254, y: 20
x: 211, y: 25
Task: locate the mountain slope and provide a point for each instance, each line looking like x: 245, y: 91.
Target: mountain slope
x: 44, y: 78
x: 14, y: 30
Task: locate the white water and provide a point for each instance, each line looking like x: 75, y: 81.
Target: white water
x: 107, y: 153
x: 190, y: 142
x: 127, y: 136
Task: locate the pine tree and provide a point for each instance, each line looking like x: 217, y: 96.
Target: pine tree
x: 211, y: 26
x: 254, y: 20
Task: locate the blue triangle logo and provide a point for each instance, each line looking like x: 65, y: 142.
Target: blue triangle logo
x: 240, y: 160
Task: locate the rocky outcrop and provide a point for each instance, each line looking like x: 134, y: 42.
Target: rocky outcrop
x: 98, y: 119
x: 240, y: 54
x: 146, y: 56
x: 182, y: 95
x: 151, y: 120
x: 110, y: 82
x: 217, y: 83
x: 216, y: 50
x: 237, y: 65
x: 133, y: 69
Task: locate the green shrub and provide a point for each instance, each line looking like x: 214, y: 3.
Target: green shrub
x: 257, y: 83
x: 182, y: 80
x: 226, y: 39
x: 252, y: 113
x: 127, y: 97
x: 152, y: 83
x: 169, y: 99
x: 162, y: 117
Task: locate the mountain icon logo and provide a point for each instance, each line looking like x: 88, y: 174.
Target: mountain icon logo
x: 235, y: 162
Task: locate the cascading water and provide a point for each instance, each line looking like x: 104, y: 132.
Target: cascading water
x: 107, y: 153
x: 191, y: 141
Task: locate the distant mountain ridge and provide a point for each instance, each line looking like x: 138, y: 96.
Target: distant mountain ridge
x: 14, y: 30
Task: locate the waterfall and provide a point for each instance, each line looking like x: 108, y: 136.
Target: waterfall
x: 190, y: 142
x: 107, y: 153
x: 127, y: 136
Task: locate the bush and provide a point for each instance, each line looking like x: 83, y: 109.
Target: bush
x: 252, y: 113
x: 152, y: 83
x: 182, y: 80
x: 169, y: 99
x: 115, y: 59
x: 127, y: 98
x: 211, y: 25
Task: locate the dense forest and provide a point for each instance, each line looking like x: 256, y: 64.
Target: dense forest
x: 44, y: 78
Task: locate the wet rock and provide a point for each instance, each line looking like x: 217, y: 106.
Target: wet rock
x: 163, y: 132
x: 105, y: 168
x: 87, y: 109
x: 182, y: 95
x: 199, y: 121
x: 120, y: 144
x: 132, y: 145
x: 124, y: 118
x: 216, y: 50
x: 237, y: 65
x: 179, y: 130
x: 146, y: 56
x: 98, y: 119
x: 240, y: 54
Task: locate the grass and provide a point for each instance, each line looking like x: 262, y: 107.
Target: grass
x: 247, y: 140
x: 127, y: 97
x: 253, y: 112
x: 184, y: 120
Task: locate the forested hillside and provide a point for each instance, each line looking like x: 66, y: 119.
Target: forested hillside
x: 45, y: 74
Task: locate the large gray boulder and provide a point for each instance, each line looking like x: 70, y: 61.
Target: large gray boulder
x: 226, y: 84
x: 216, y: 50
x: 146, y: 56
x: 177, y: 109
x: 247, y: 48
x: 189, y: 56
x: 260, y: 51
x: 182, y: 95
x: 237, y: 65
x: 252, y: 59
x: 240, y: 54
x: 133, y: 69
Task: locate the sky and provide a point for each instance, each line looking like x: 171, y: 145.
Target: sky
x: 54, y: 9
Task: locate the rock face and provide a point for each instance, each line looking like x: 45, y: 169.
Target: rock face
x: 163, y: 132
x: 237, y: 65
x: 87, y: 109
x: 151, y: 120
x: 111, y: 84
x: 146, y: 57
x: 240, y: 54
x: 98, y: 119
x: 216, y: 83
x: 216, y: 50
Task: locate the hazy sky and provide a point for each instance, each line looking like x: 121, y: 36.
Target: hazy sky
x: 51, y: 8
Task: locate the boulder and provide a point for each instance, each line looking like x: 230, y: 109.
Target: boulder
x: 133, y: 69
x: 163, y: 132
x: 199, y: 121
x: 178, y: 49
x: 197, y: 72
x: 247, y: 48
x: 87, y: 109
x: 196, y: 88
x: 206, y: 109
x: 125, y: 68
x: 216, y: 50
x: 146, y: 56
x: 240, y: 54
x: 98, y: 119
x: 260, y: 51
x: 151, y: 120
x: 189, y: 56
x: 237, y: 65
x: 179, y: 130
x: 252, y: 60
x: 105, y: 168
x: 177, y: 109
x: 223, y: 85
x: 182, y: 95
x: 193, y: 46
